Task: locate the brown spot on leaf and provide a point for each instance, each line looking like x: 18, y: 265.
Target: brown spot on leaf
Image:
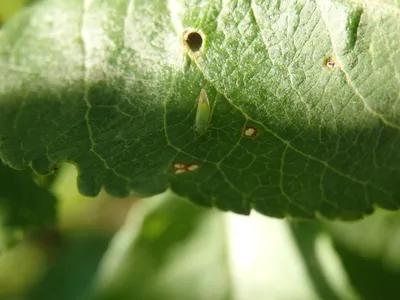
x: 331, y: 63
x: 180, y: 168
x: 250, y: 131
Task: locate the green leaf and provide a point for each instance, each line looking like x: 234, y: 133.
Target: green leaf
x: 376, y: 237
x: 23, y: 204
x: 216, y: 256
x: 171, y: 249
x: 369, y: 249
x: 75, y: 265
x: 161, y: 252
x: 304, y: 99
x: 369, y: 276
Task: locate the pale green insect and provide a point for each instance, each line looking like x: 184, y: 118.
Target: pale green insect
x: 203, y: 114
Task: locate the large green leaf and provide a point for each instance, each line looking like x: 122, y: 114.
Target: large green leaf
x: 304, y: 98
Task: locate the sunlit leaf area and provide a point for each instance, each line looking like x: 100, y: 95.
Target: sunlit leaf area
x: 199, y: 150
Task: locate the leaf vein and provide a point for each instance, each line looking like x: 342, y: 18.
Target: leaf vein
x: 324, y: 163
x: 349, y: 81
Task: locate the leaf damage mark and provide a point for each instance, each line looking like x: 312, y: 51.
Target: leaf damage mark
x: 193, y: 40
x: 331, y: 63
x: 180, y: 168
x: 193, y: 167
x: 250, y: 131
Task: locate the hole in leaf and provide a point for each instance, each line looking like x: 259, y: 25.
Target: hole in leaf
x: 194, y: 40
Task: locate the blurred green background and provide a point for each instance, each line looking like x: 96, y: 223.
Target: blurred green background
x: 165, y: 248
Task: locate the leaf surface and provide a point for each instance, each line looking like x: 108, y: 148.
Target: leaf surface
x: 24, y: 204
x: 304, y: 98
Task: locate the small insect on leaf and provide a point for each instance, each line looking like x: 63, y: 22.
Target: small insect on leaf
x: 203, y: 114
